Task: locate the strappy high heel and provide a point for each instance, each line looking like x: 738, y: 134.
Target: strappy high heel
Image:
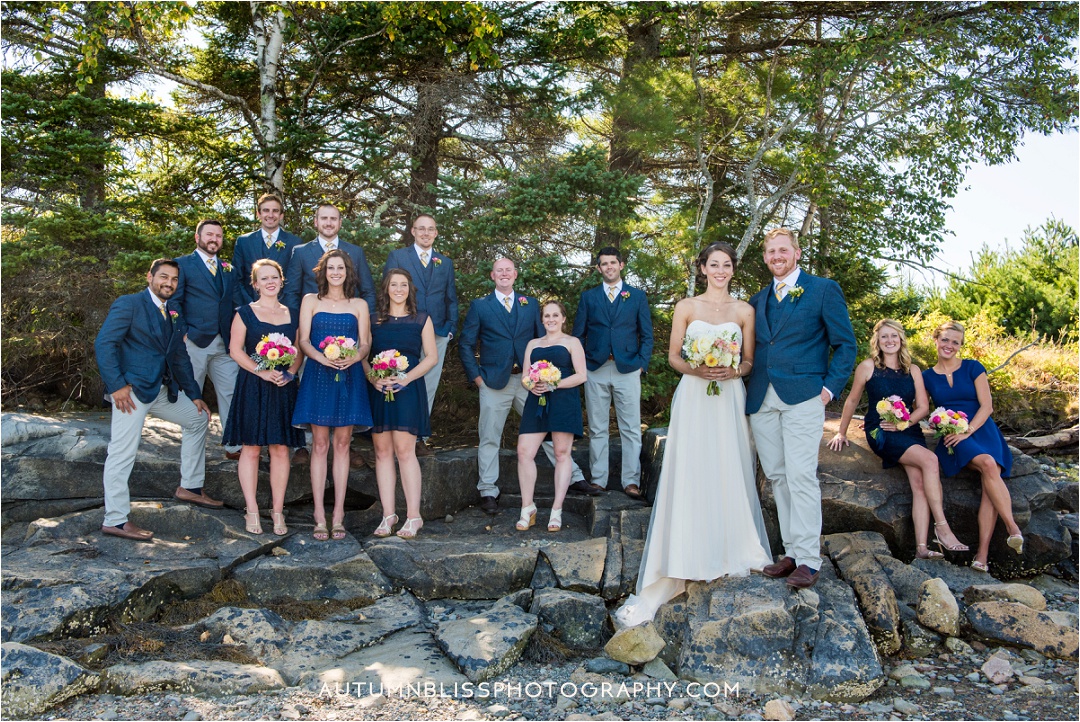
x: 958, y: 547
x: 555, y: 520
x: 983, y: 567
x: 410, y: 528
x: 251, y: 522
x: 1016, y: 543
x: 927, y: 554
x: 279, y: 523
x: 528, y: 518
x: 386, y: 528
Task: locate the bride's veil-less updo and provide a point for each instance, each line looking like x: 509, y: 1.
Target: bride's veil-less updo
x: 712, y: 248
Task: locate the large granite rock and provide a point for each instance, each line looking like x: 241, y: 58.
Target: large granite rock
x: 755, y: 632
x: 490, y: 643
x: 406, y: 661
x: 856, y: 557
x: 34, y: 681
x: 196, y: 677
x: 314, y: 570
x: 67, y: 576
x: 578, y: 566
x: 1022, y: 626
x: 574, y: 618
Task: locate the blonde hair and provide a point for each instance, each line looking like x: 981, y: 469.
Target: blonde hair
x: 949, y: 325
x: 875, y: 347
x: 782, y: 232
x: 265, y: 262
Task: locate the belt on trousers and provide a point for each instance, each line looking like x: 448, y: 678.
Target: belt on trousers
x: 515, y: 369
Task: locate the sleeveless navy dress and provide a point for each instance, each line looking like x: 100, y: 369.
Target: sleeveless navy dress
x: 324, y: 400
x: 261, y: 411
x: 563, y: 409
x: 409, y: 410
x: 890, y: 445
x: 961, y: 396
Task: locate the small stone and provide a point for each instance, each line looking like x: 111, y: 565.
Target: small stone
x: 227, y: 639
x: 498, y: 710
x: 902, y: 670
x: 372, y: 701
x: 973, y: 677
x: 778, y: 709
x: 280, y: 552
x: 289, y: 713
x: 915, y: 681
x: 449, y: 519
x: 958, y: 646
x: 564, y: 703
x: 946, y: 692
x: 192, y: 716
x: 997, y: 670
x: 469, y: 715
x: 997, y: 690
x: 656, y: 701
x: 1009, y: 715
x: 937, y: 608
x: 1029, y: 681
x: 678, y: 703
x: 656, y: 669
x: 636, y: 645
x: 108, y: 714
x: 205, y: 636
x: 904, y: 707
x: 606, y: 665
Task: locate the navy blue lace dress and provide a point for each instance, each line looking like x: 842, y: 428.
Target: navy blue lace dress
x: 409, y: 410
x: 890, y: 445
x: 261, y: 411
x: 563, y: 409
x: 329, y: 397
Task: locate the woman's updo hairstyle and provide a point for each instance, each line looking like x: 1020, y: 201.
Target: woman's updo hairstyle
x: 712, y: 248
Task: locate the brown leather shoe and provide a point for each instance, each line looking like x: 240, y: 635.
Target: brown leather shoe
x: 633, y: 491
x: 782, y: 568
x: 490, y: 504
x: 301, y: 456
x: 423, y: 449
x: 129, y: 531
x: 197, y: 499
x: 584, y: 487
x: 802, y: 578
x: 232, y: 455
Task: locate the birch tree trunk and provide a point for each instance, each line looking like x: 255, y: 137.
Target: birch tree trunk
x: 269, y: 38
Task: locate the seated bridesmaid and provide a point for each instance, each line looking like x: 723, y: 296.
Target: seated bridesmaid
x: 889, y: 372
x: 961, y: 385
x: 263, y: 401
x: 399, y: 422
x: 559, y: 414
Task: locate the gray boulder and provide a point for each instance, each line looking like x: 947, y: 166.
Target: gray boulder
x: 579, y: 566
x: 196, y: 677
x: 856, y: 557
x: 263, y: 632
x: 34, y: 681
x: 938, y: 609
x: 635, y: 645
x: 1021, y: 593
x: 577, y: 619
x: 406, y: 661
x: 490, y: 643
x: 1022, y: 626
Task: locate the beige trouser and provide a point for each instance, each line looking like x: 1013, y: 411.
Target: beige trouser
x: 604, y: 386
x: 215, y: 360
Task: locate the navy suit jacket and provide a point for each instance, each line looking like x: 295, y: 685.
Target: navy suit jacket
x: 501, y: 337
x: 300, y: 275
x: 436, y: 289
x: 137, y: 346
x: 793, y: 352
x: 250, y: 248
x: 206, y: 305
x: 619, y: 329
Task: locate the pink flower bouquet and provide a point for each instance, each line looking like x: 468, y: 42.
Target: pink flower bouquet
x: 946, y: 421
x: 892, y: 410
x: 272, y: 351
x: 335, y: 347
x: 546, y: 372
x: 389, y: 364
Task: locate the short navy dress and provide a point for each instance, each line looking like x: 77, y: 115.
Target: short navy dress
x: 961, y: 396
x: 563, y: 409
x: 890, y: 445
x: 409, y: 410
x: 261, y: 411
x: 323, y: 399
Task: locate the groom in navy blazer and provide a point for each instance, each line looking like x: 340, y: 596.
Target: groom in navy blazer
x: 270, y: 240
x: 615, y: 327
x: 300, y: 274
x: 144, y: 365
x: 205, y: 296
x: 805, y: 350
x: 497, y: 329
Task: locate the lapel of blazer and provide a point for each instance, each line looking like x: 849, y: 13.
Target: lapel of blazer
x: 519, y: 314
x: 787, y: 306
x: 618, y: 303
x: 762, y: 317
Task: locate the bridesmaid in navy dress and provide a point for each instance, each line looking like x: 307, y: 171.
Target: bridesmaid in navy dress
x: 332, y: 392
x: 961, y: 385
x: 889, y: 372
x: 560, y: 416
x: 263, y: 401
x: 397, y: 424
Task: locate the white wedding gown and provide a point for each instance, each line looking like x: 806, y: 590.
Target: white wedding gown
x: 706, y: 520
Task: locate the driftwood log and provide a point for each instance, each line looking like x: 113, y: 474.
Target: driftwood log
x: 1066, y: 438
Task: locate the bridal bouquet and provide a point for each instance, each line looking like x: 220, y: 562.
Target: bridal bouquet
x: 892, y: 410
x: 273, y: 350
x: 543, y: 371
x: 391, y: 363
x: 335, y: 347
x: 716, y: 349
x: 946, y: 421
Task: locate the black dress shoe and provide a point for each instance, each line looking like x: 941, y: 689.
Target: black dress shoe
x: 584, y: 487
x: 802, y: 578
x: 782, y: 568
x: 490, y: 504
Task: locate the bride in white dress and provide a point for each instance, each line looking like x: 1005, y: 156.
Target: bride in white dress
x: 706, y: 520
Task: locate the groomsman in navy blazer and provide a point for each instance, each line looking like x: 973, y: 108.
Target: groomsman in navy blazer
x: 436, y: 294
x: 205, y: 296
x: 615, y: 327
x: 145, y: 368
x: 269, y: 241
x: 300, y: 273
x: 497, y: 328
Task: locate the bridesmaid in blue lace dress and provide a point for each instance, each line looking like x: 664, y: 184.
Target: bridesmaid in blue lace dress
x: 889, y: 372
x: 332, y: 392
x: 961, y: 385
x: 263, y: 401
x: 397, y: 423
x: 560, y: 416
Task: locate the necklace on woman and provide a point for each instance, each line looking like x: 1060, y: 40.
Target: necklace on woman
x: 947, y: 372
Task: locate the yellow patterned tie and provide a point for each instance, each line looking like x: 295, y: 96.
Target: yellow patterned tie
x: 332, y: 246
x: 269, y: 240
x: 424, y: 258
x: 779, y: 291
x: 506, y: 302
x: 162, y: 309
x: 211, y: 263
x: 611, y: 294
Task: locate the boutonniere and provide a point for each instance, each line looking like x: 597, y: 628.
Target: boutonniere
x: 173, y: 315
x: 523, y: 301
x: 279, y: 245
x: 795, y: 293
x: 625, y: 294
x: 226, y: 266
x: 437, y: 261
